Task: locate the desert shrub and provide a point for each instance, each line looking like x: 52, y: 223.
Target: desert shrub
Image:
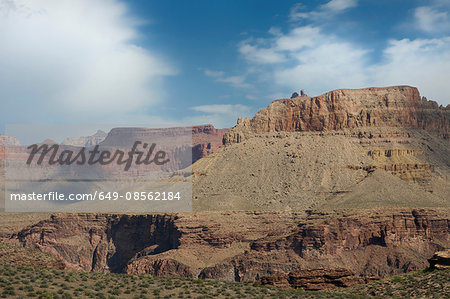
x: 397, y: 279
x: 66, y: 296
x: 144, y: 285
x: 199, y: 281
x: 43, y: 285
x: 46, y: 295
x: 100, y: 295
x: 9, y: 291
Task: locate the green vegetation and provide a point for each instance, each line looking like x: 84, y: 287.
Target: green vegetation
x: 30, y: 273
x: 16, y: 255
x: 29, y: 282
x: 417, y: 284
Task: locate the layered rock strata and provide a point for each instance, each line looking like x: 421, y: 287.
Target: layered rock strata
x: 397, y: 106
x: 245, y: 246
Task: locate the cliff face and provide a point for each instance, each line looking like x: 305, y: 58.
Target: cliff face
x: 205, y: 139
x: 397, y: 106
x: 86, y: 141
x: 184, y: 145
x: 101, y: 243
x: 372, y: 147
x: 244, y: 246
x: 315, y: 279
x: 6, y: 140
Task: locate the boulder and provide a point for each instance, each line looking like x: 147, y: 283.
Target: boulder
x: 440, y: 260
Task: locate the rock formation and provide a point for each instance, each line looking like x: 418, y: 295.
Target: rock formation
x: 6, y: 140
x: 315, y: 279
x: 184, y: 145
x: 365, y: 148
x: 246, y: 246
x: 398, y: 106
x: 205, y: 139
x: 282, y: 184
x: 440, y: 260
x: 86, y: 141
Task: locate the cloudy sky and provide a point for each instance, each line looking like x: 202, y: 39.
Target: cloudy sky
x: 196, y: 62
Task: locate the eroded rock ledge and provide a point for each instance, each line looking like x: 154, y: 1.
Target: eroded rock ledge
x: 244, y: 246
x: 315, y: 279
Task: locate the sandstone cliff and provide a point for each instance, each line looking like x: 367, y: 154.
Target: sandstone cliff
x: 397, y: 106
x: 365, y: 148
x: 315, y: 279
x: 205, y: 140
x: 440, y: 260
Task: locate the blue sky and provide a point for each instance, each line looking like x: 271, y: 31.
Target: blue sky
x: 195, y: 62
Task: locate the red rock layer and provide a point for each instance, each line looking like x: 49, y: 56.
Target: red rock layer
x: 367, y: 243
x: 205, y: 140
x: 397, y: 106
x: 314, y: 279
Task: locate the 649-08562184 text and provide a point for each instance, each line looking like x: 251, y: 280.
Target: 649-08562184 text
x: 98, y: 195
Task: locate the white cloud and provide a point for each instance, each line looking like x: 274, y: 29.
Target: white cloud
x: 326, y: 10
x: 235, y: 81
x: 76, y: 60
x: 260, y: 55
x: 298, y: 38
x: 319, y: 62
x: 313, y: 60
x: 431, y: 19
x: 339, y: 5
x: 221, y: 115
x: 221, y: 108
x: 424, y: 63
x: 327, y: 66
x: 307, y: 57
x: 210, y: 73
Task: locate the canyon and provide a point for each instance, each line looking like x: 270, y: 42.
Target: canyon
x: 244, y: 246
x: 312, y: 192
x: 196, y: 142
